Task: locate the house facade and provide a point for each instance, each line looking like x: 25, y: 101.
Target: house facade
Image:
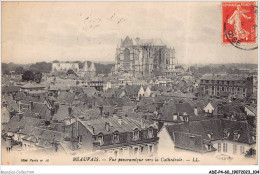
x: 115, y: 136
x: 216, y: 85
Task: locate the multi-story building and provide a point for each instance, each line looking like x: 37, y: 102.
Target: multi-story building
x: 216, y: 85
x: 64, y: 66
x: 114, y: 136
x: 141, y: 57
x: 97, y: 84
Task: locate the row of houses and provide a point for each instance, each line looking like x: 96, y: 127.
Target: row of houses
x: 130, y: 120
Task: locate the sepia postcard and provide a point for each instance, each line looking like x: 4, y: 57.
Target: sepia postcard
x: 129, y: 83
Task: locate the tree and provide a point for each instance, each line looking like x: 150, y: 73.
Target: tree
x: 42, y: 67
x: 19, y: 70
x: 70, y: 71
x: 37, y: 77
x: 27, y: 76
x: 250, y: 153
x: 55, y: 61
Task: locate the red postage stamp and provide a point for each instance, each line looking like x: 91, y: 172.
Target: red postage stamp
x: 239, y: 23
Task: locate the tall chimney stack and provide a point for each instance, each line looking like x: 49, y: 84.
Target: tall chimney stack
x: 196, y: 110
x: 20, y: 115
x: 120, y: 120
x: 31, y: 106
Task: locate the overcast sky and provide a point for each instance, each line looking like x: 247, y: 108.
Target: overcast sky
x: 46, y: 31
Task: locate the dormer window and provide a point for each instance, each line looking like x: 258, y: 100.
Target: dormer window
x: 209, y: 147
x: 186, y: 118
x: 100, y: 139
x: 107, y: 126
x: 236, y: 135
x: 210, y: 135
x: 135, y: 135
x: 226, y: 133
x: 233, y: 117
x: 254, y: 138
x: 150, y: 133
x: 175, y: 117
x: 116, y: 137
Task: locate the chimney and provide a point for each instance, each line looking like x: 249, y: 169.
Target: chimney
x: 101, y: 111
x: 120, y: 120
x: 19, y: 106
x: 142, y: 123
x: 70, y: 110
x: 47, y: 123
x: 107, y: 126
x: 185, y: 117
x: 52, y: 112
x: 93, y: 129
x: 20, y: 115
x: 196, y: 111
x: 56, y: 107
x: 31, y: 105
x: 175, y: 117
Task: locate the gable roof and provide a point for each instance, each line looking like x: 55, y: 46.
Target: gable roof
x: 83, y: 112
x: 57, y: 87
x: 19, y: 96
x: 90, y: 91
x: 24, y: 126
x: 10, y: 89
x: 62, y: 113
x: 66, y: 97
x: 30, y: 98
x: 188, y: 141
x: 181, y: 133
x: 132, y: 90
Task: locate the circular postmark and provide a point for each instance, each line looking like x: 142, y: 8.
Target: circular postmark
x: 236, y: 30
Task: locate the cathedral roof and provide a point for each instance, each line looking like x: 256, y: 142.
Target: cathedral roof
x: 137, y: 42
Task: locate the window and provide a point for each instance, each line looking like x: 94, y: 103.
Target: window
x: 100, y: 139
x: 209, y: 146
x: 150, y: 133
x: 150, y: 149
x: 80, y: 138
x: 219, y: 147
x: 226, y: 133
x: 116, y: 137
x: 242, y: 149
x: 141, y: 149
x: 135, y: 150
x: 136, y: 135
x: 254, y: 138
x: 234, y: 148
x: 224, y: 147
x: 236, y: 135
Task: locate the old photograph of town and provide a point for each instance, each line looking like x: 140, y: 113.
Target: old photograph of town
x: 129, y: 83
